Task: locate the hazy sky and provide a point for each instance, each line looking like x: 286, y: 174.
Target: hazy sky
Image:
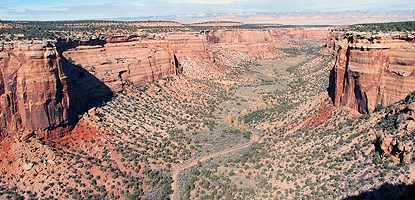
x: 96, y: 9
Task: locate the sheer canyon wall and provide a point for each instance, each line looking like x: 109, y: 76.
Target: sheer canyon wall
x: 371, y: 70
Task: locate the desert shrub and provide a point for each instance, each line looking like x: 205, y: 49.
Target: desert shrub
x: 378, y: 108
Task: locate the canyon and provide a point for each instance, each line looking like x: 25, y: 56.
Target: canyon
x: 47, y: 84
x: 106, y: 110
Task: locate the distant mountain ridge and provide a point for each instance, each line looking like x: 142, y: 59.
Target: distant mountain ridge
x: 289, y: 18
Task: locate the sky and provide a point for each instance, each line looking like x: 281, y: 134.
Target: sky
x: 100, y: 9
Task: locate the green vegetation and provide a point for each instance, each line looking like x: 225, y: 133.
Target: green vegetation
x: 302, y: 157
x: 62, y: 29
x: 386, y: 27
x: 378, y: 108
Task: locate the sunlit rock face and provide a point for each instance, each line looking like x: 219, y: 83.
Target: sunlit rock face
x: 34, y: 95
x: 369, y: 72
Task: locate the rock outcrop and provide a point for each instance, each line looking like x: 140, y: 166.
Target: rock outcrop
x: 396, y: 129
x: 370, y: 72
x: 33, y: 95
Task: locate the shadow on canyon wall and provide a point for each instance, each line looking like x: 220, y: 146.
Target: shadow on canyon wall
x: 85, y: 91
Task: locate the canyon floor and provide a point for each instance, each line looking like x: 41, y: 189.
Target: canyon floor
x: 265, y: 129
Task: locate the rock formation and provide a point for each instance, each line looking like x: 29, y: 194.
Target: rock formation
x: 33, y: 88
x: 370, y: 71
x: 139, y: 60
x: 396, y: 130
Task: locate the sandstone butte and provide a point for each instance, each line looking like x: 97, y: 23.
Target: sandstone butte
x: 370, y: 70
x: 46, y: 85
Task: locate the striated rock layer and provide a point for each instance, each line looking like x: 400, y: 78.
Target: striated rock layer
x: 139, y: 60
x: 370, y: 72
x: 261, y: 43
x: 32, y: 92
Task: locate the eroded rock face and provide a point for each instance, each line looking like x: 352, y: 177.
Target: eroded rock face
x: 33, y: 89
x: 368, y: 73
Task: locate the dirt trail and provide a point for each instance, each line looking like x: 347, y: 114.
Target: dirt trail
x: 191, y: 163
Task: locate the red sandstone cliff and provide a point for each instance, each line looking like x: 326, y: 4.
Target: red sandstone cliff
x: 41, y: 92
x: 33, y: 95
x: 261, y: 43
x: 139, y: 60
x: 369, y: 72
